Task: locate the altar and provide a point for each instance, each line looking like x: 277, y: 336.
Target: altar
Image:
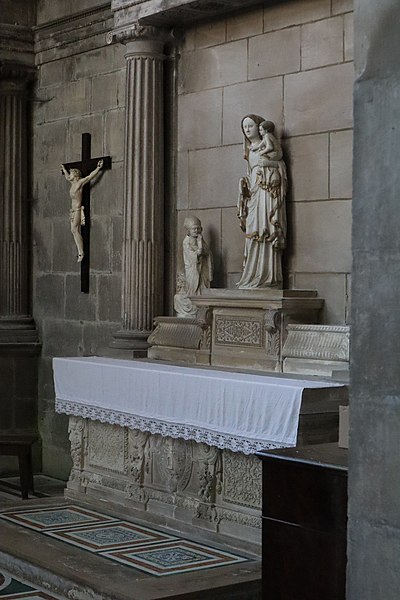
x: 177, y: 443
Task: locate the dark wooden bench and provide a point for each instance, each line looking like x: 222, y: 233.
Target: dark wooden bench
x: 20, y: 445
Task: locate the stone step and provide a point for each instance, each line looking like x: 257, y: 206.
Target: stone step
x: 72, y: 572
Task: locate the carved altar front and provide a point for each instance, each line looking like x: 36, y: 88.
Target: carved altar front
x: 182, y: 482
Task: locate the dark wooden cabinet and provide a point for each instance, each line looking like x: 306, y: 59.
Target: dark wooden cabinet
x: 304, y: 523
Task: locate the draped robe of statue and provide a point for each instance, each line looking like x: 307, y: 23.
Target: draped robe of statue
x: 263, y: 215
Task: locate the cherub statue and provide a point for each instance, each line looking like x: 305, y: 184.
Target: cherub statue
x: 76, y: 213
x: 198, y: 262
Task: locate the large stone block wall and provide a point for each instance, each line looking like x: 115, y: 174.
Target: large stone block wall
x: 374, y: 460
x: 291, y: 63
x: 80, y: 88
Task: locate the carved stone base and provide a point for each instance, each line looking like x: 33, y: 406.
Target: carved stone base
x: 183, y: 483
x: 181, y: 340
x: 243, y: 329
x: 317, y: 350
x: 180, y: 481
x: 249, y: 327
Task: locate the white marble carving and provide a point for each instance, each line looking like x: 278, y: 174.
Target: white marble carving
x: 261, y: 205
x: 198, y: 262
x: 76, y: 213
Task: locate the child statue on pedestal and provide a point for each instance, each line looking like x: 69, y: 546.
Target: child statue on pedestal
x: 198, y: 263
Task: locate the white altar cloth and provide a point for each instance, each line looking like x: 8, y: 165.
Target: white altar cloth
x: 239, y: 411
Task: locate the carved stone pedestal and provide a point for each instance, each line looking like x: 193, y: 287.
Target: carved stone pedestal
x: 181, y: 340
x: 321, y: 350
x: 242, y: 329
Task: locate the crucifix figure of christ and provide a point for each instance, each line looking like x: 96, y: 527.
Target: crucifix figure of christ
x: 79, y: 174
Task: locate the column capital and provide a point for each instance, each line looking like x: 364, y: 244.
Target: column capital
x: 136, y: 32
x: 16, y: 72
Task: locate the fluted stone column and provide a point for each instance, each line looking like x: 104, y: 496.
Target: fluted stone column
x: 16, y: 325
x: 19, y: 344
x: 143, y: 286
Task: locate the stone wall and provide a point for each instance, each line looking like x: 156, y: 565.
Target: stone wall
x: 291, y: 63
x: 80, y: 89
x: 374, y: 460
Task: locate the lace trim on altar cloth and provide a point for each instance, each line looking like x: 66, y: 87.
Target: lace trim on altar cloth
x: 174, y: 430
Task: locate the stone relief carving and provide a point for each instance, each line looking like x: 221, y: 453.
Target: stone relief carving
x: 175, y: 332
x: 242, y: 479
x: 210, y: 480
x: 261, y: 205
x: 107, y: 447
x: 171, y: 462
x: 198, y: 263
x: 273, y: 321
x: 138, y: 454
x: 77, y: 438
x: 237, y: 331
x: 240, y: 518
x: 172, y: 472
x: 321, y: 342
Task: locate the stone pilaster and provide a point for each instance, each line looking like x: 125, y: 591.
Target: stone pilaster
x: 19, y: 345
x: 16, y: 325
x: 143, y: 185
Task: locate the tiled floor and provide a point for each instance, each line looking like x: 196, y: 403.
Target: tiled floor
x: 59, y: 549
x: 12, y: 588
x: 143, y: 548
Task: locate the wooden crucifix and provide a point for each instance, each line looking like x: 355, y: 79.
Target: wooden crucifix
x: 80, y: 196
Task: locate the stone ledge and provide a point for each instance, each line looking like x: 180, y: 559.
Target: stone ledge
x: 175, y: 12
x: 89, y: 28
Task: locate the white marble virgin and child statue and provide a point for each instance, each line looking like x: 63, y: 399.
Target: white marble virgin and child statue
x: 262, y: 217
x: 261, y: 205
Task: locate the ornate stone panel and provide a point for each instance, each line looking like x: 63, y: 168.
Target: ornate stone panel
x: 170, y: 463
x: 242, y: 479
x: 107, y: 447
x: 320, y: 342
x: 238, y: 331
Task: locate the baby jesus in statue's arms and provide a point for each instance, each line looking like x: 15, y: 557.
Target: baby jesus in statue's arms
x: 269, y: 148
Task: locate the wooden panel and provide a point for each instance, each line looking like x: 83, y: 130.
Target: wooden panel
x: 302, y: 564
x: 313, y: 497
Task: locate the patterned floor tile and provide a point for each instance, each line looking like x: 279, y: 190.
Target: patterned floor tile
x: 110, y: 536
x: 30, y: 596
x: 44, y: 519
x: 137, y: 546
x: 11, y: 589
x: 174, y: 557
